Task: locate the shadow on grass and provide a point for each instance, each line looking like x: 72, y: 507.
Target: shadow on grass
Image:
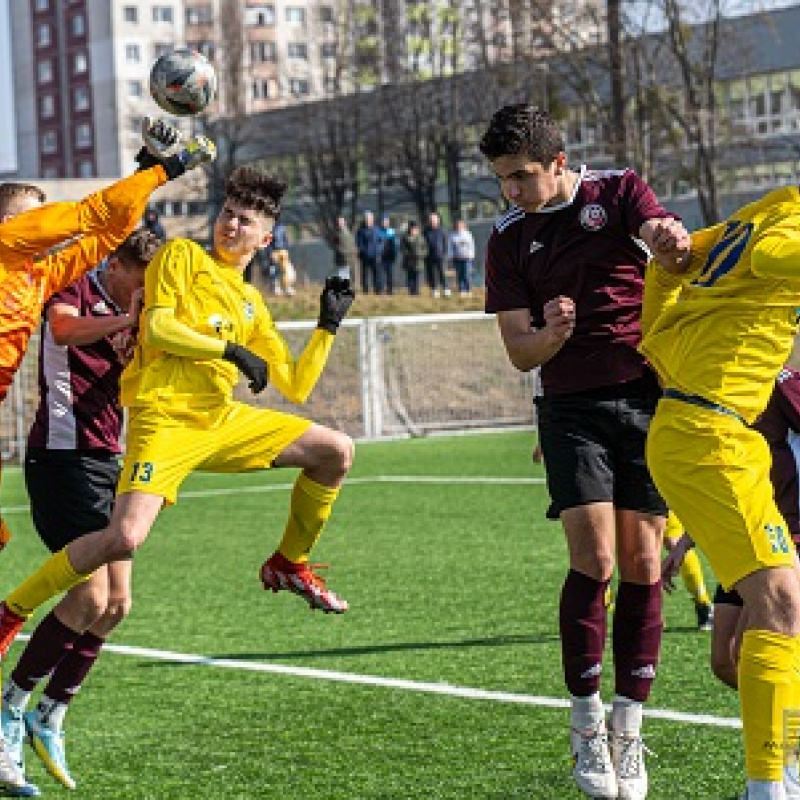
x: 494, y: 641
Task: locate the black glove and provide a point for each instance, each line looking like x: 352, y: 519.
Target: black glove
x: 255, y: 369
x: 173, y: 166
x: 334, y: 302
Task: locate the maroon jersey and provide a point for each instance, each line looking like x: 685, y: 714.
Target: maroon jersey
x: 585, y: 249
x: 779, y: 424
x: 79, y: 405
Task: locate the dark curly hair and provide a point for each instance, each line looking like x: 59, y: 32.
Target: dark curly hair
x: 139, y: 248
x: 256, y: 190
x: 522, y: 129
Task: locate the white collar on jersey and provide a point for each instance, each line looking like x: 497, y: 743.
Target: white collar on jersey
x: 569, y: 201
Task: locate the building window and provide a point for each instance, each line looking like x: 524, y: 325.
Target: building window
x: 263, y: 51
x: 297, y: 50
x: 86, y: 169
x: 162, y: 14
x: 49, y: 142
x: 296, y: 15
x: 261, y: 90
x: 135, y: 124
x: 42, y: 5
x: 50, y: 173
x: 160, y: 48
x: 83, y: 135
x: 260, y: 16
x: 326, y: 13
x: 298, y: 87
x: 80, y: 98
x: 328, y: 50
x: 132, y: 53
x: 130, y: 14
x: 78, y: 25
x: 200, y: 15
x: 44, y: 71
x: 47, y: 106
x: 135, y: 89
x: 43, y: 37
x: 79, y: 63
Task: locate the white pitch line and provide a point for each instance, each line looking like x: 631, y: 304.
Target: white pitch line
x: 279, y: 487
x: 448, y: 689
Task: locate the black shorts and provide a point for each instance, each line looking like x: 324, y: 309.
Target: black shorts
x: 71, y: 492
x: 727, y: 597
x: 593, y: 447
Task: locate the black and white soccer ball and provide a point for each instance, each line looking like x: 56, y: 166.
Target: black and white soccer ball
x: 183, y: 82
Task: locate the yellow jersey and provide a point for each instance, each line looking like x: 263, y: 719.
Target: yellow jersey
x: 213, y: 299
x: 728, y: 331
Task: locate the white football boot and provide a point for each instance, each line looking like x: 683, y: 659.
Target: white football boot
x: 627, y: 749
x: 592, y: 769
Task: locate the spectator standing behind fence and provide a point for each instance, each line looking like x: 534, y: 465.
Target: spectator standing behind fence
x: 344, y: 247
x: 368, y: 243
x: 436, y: 242
x: 153, y: 224
x: 461, y: 252
x: 388, y: 255
x: 279, y: 251
x: 413, y: 251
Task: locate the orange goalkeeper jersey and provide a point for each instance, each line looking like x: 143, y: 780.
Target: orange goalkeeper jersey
x: 102, y: 221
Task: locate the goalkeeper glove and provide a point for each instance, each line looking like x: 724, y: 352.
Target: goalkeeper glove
x: 334, y: 302
x: 163, y: 145
x: 249, y: 364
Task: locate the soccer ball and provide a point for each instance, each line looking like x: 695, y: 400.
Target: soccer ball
x: 183, y: 82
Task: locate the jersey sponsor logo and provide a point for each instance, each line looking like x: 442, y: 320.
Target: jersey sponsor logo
x: 535, y: 246
x: 249, y: 311
x: 593, y: 217
x: 593, y: 671
x: 647, y: 671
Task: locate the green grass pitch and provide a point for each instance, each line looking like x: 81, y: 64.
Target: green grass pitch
x: 451, y: 583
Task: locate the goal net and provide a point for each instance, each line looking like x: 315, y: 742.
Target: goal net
x: 386, y: 377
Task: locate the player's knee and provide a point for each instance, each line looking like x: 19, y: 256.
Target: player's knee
x: 117, y: 609
x: 125, y: 540
x: 92, y: 607
x: 340, y: 452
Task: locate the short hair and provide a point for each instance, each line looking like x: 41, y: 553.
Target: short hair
x: 11, y: 192
x: 522, y: 129
x: 139, y: 248
x: 256, y: 190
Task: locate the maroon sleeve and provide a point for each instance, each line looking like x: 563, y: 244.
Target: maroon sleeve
x: 787, y: 393
x: 639, y: 203
x: 505, y: 286
x: 71, y: 295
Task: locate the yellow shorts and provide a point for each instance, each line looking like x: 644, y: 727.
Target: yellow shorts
x: 713, y: 472
x: 165, y: 445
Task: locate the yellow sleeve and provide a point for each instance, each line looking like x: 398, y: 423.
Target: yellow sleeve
x: 661, y: 290
x: 118, y: 208
x: 293, y: 379
x: 163, y: 331
x: 776, y: 253
x: 168, y: 274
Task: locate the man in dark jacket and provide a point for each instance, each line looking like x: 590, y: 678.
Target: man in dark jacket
x: 368, y: 242
x: 436, y: 241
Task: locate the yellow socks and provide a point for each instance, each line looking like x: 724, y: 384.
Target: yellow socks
x: 769, y: 684
x: 54, y: 576
x: 308, y: 513
x: 692, y: 574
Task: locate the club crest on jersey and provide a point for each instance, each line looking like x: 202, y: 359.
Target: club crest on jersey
x: 593, y: 217
x: 249, y: 311
x: 220, y: 324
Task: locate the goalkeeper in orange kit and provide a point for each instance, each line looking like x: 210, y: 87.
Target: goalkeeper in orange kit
x: 99, y: 224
